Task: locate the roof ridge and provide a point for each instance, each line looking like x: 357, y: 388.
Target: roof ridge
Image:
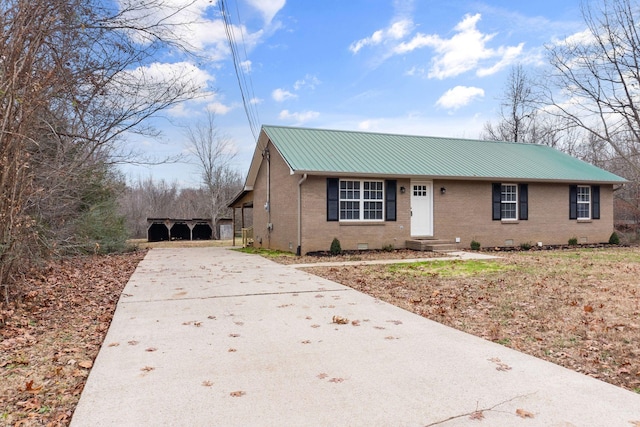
x: 401, y: 135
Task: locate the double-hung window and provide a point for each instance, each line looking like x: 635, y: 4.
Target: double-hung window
x: 584, y: 202
x: 508, y: 201
x: 361, y: 200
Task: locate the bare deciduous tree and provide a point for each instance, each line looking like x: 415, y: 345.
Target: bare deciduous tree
x: 214, y: 154
x: 596, y: 77
x: 75, y: 77
x: 517, y: 110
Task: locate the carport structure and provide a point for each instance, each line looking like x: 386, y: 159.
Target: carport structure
x: 160, y: 229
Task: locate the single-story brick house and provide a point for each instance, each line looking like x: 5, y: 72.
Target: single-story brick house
x: 372, y: 190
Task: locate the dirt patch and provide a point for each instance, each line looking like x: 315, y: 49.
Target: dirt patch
x: 577, y: 308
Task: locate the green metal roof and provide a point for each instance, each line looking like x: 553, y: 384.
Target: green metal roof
x: 364, y: 153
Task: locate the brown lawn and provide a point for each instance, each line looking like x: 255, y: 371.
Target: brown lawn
x: 578, y: 308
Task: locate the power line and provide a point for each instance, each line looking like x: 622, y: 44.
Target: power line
x: 246, y: 90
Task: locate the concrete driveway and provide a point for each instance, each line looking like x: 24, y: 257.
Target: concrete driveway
x: 214, y: 337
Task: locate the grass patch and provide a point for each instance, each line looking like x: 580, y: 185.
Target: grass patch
x: 267, y: 253
x: 444, y: 268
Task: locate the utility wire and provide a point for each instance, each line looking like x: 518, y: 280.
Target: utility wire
x: 245, y: 92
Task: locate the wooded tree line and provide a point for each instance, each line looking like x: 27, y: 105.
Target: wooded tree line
x: 75, y: 79
x: 149, y: 198
x: 587, y: 101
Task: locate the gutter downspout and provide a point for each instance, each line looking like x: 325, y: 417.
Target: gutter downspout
x: 299, y: 248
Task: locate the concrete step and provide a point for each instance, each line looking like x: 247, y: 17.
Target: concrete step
x: 433, y: 245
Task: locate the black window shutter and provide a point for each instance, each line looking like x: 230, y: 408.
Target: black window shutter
x: 595, y: 202
x: 390, y: 200
x: 333, y: 213
x: 573, y: 202
x: 523, y: 195
x: 496, y: 199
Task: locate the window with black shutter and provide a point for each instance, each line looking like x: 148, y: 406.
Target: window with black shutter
x: 390, y: 200
x: 509, y: 202
x: 333, y: 197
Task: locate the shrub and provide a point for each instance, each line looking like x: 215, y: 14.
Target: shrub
x: 573, y: 241
x: 475, y: 246
x: 614, y: 239
x: 388, y: 248
x: 335, y: 249
x: 525, y: 246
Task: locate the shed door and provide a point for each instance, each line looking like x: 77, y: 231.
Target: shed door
x: 421, y: 208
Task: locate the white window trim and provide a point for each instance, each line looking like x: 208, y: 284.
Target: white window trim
x: 578, y: 203
x: 361, y: 200
x: 515, y: 202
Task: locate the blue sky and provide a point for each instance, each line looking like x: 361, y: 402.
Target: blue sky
x: 412, y: 67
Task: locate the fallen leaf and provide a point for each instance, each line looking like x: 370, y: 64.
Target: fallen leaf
x: 635, y: 423
x: 340, y: 320
x: 147, y: 368
x: 355, y: 322
x: 588, y: 309
x: 238, y: 393
x: 306, y: 342
x: 322, y: 376
x: 232, y: 350
x: 114, y: 344
x: 132, y: 342
x: 29, y: 404
x: 336, y: 380
x: 29, y: 387
x: 87, y: 364
x: 234, y: 335
x: 524, y: 414
x: 477, y: 415
x: 151, y: 349
x: 207, y: 383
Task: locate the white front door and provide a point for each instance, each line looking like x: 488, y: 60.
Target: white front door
x: 421, y: 208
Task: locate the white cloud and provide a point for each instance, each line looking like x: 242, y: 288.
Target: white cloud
x: 300, y: 117
x: 396, y: 31
x: 246, y: 66
x: 280, y: 95
x: 160, y: 74
x: 367, y: 125
x: 268, y: 8
x: 218, y: 108
x: 255, y: 101
x: 191, y: 25
x: 463, y: 52
x: 580, y: 38
x: 309, y: 81
x: 459, y: 96
x: 509, y: 55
